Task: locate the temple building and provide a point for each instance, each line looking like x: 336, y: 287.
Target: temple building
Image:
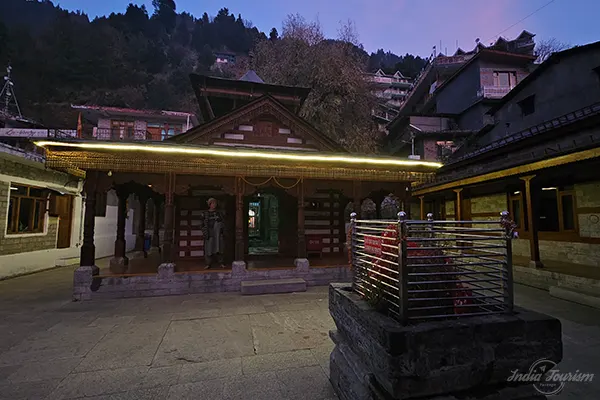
x: 283, y: 193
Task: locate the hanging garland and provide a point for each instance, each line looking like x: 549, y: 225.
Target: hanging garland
x: 256, y: 184
x: 287, y: 187
x: 276, y: 182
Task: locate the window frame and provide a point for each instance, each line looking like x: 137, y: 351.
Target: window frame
x: 527, y: 101
x: 40, y: 203
x: 512, y: 78
x: 561, y: 223
x: 522, y: 223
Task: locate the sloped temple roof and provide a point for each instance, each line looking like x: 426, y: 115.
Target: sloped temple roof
x: 78, y: 156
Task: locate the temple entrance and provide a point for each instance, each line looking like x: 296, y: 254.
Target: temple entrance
x: 263, y: 224
x: 271, y: 224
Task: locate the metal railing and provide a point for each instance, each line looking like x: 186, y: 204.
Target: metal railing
x: 424, y: 270
x: 117, y: 134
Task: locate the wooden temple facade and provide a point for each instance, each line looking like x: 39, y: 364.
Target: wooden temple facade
x: 281, y: 185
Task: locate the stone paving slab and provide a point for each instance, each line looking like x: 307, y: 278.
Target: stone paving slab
x: 201, y: 346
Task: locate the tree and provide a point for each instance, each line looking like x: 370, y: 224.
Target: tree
x: 546, y: 47
x: 340, y: 102
x: 273, y: 35
x: 164, y: 11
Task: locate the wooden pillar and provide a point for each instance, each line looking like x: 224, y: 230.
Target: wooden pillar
x: 88, y: 249
x: 301, y: 234
x: 118, y: 264
x: 458, y: 205
x: 167, y: 243
x: 422, y: 199
x: 531, y: 199
x: 156, y: 231
x: 141, y: 232
x: 240, y: 245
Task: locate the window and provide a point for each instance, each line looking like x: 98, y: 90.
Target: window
x: 26, y: 209
x: 557, y: 210
x: 516, y: 210
x: 527, y: 105
x: 505, y: 79
x: 121, y: 129
x: 445, y: 149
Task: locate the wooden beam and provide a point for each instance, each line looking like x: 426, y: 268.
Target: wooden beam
x: 521, y: 169
x: 211, y: 113
x: 422, y: 198
x: 532, y: 221
x: 458, y: 205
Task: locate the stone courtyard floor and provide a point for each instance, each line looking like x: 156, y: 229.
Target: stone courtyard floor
x: 209, y: 346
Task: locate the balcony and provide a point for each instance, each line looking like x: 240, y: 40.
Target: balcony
x: 493, y: 92
x: 118, y: 134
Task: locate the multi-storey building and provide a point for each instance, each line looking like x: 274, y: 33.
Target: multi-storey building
x: 538, y: 157
x: 390, y: 91
x: 454, y: 94
x: 112, y: 123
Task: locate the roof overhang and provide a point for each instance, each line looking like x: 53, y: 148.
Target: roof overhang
x: 94, y: 113
x: 210, y: 160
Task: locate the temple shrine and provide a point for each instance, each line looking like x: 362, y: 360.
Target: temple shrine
x: 284, y: 191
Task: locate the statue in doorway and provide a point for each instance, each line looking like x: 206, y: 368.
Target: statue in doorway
x: 213, y: 227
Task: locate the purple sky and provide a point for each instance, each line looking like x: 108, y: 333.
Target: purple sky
x: 403, y: 26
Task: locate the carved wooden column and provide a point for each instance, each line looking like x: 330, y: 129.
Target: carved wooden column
x: 167, y: 243
x: 140, y: 237
x: 240, y: 245
x: 88, y: 249
x: 532, y: 200
x: 422, y: 199
x: 301, y: 234
x: 156, y: 230
x: 458, y: 204
x: 118, y: 264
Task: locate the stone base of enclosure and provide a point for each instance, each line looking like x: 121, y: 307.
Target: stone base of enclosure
x: 376, y: 357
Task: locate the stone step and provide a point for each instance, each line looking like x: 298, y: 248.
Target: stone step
x: 580, y: 297
x: 274, y: 286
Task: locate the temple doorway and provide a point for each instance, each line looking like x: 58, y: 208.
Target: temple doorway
x: 263, y: 224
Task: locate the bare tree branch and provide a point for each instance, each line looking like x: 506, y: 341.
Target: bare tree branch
x: 545, y: 47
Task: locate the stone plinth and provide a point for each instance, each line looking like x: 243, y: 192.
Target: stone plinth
x: 83, y: 282
x: 168, y: 282
x: 377, y: 358
x: 118, y: 265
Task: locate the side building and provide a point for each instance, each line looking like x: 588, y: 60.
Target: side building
x: 452, y: 95
x: 42, y: 209
x: 537, y: 158
x: 390, y: 92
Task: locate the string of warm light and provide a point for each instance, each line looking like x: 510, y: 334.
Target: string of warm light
x: 240, y: 154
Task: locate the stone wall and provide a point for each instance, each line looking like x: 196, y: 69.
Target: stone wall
x: 415, y: 210
x: 587, y: 199
x: 569, y: 252
x: 87, y: 285
x: 488, y: 208
x: 450, y: 210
